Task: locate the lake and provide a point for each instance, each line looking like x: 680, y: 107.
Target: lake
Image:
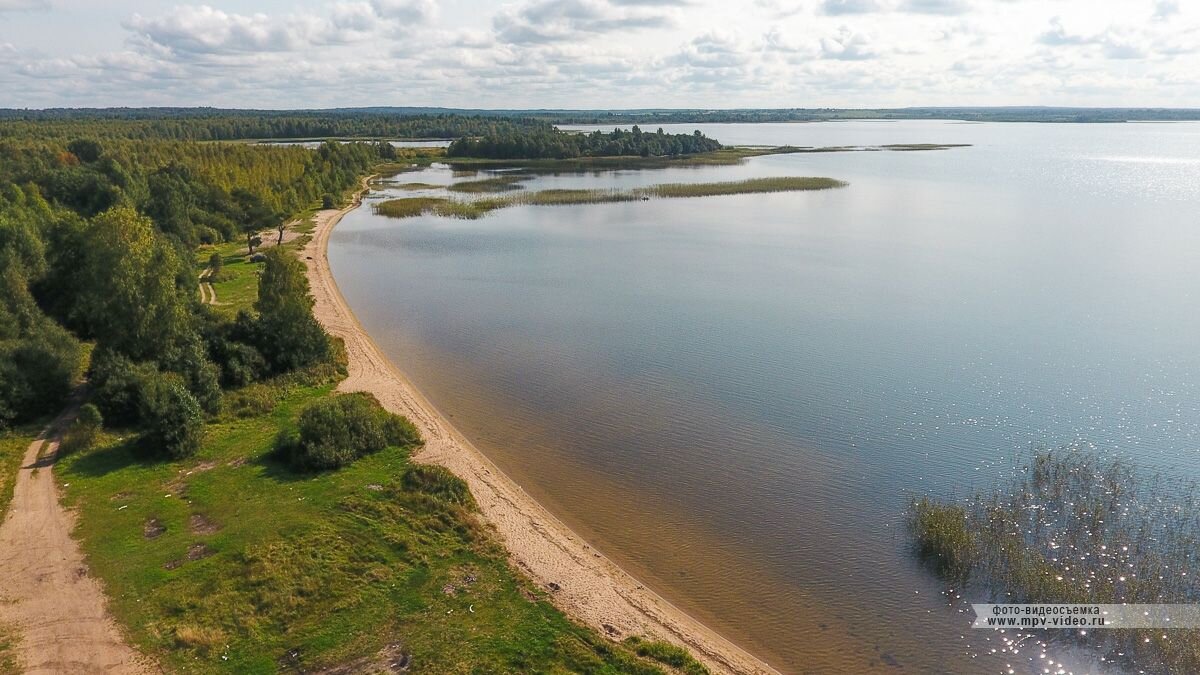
x: 735, y: 397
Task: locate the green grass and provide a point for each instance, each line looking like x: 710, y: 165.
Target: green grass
x: 1075, y: 527
x: 418, y: 186
x: 237, y: 287
x: 667, y: 654
x: 409, y: 207
x: 9, y: 665
x: 13, y: 444
x: 291, y: 571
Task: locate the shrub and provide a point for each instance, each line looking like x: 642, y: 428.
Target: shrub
x: 328, y: 201
x: 215, y: 263
x: 82, y: 433
x: 336, y: 431
x: 36, y: 374
x: 439, y: 482
x: 119, y: 385
x: 173, y: 418
x: 241, y: 365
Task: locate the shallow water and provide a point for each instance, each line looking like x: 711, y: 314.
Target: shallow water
x: 734, y: 397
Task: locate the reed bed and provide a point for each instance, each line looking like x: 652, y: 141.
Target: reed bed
x: 742, y: 187
x: 408, y: 207
x: 470, y: 209
x: 1077, y: 528
x: 503, y: 183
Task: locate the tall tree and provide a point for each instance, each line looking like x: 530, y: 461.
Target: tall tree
x: 287, y: 334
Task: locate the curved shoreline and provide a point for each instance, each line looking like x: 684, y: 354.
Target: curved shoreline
x: 589, y: 587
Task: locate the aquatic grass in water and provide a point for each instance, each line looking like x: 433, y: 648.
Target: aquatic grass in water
x: 1077, y: 528
x: 751, y: 186
x: 503, y: 183
x: 409, y: 207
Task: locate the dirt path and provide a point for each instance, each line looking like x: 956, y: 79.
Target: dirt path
x: 591, y: 588
x: 208, y: 295
x: 46, y: 594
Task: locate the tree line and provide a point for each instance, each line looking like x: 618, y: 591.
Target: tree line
x: 207, y: 124
x: 555, y: 144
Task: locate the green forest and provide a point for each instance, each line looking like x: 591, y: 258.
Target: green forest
x: 554, y: 144
x: 206, y: 124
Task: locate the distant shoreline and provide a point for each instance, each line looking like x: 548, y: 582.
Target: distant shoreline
x: 586, y: 585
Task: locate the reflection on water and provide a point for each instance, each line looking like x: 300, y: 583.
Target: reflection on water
x: 734, y: 397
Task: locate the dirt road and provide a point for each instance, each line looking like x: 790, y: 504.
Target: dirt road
x: 58, y: 611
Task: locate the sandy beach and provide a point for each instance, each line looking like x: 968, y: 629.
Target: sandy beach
x: 583, y: 583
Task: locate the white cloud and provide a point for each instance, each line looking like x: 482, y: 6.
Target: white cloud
x: 605, y: 53
x: 19, y: 5
x: 841, y: 7
x: 545, y: 21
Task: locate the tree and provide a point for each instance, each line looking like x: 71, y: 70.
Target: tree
x: 287, y: 334
x: 127, y: 295
x: 328, y: 201
x: 86, y: 149
x: 255, y: 216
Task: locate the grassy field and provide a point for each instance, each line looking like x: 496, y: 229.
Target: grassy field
x: 237, y: 285
x: 231, y: 562
x: 409, y: 207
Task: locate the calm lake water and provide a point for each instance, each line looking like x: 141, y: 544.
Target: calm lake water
x: 734, y: 397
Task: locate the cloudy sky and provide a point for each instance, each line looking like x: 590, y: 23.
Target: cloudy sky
x: 600, y: 53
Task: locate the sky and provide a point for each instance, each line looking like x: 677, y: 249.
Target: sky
x: 599, y: 53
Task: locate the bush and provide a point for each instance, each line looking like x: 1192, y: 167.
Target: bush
x: 119, y: 385
x: 36, y: 372
x: 437, y: 481
x: 200, y: 375
x: 328, y: 201
x: 82, y: 433
x: 334, y: 432
x: 173, y: 418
